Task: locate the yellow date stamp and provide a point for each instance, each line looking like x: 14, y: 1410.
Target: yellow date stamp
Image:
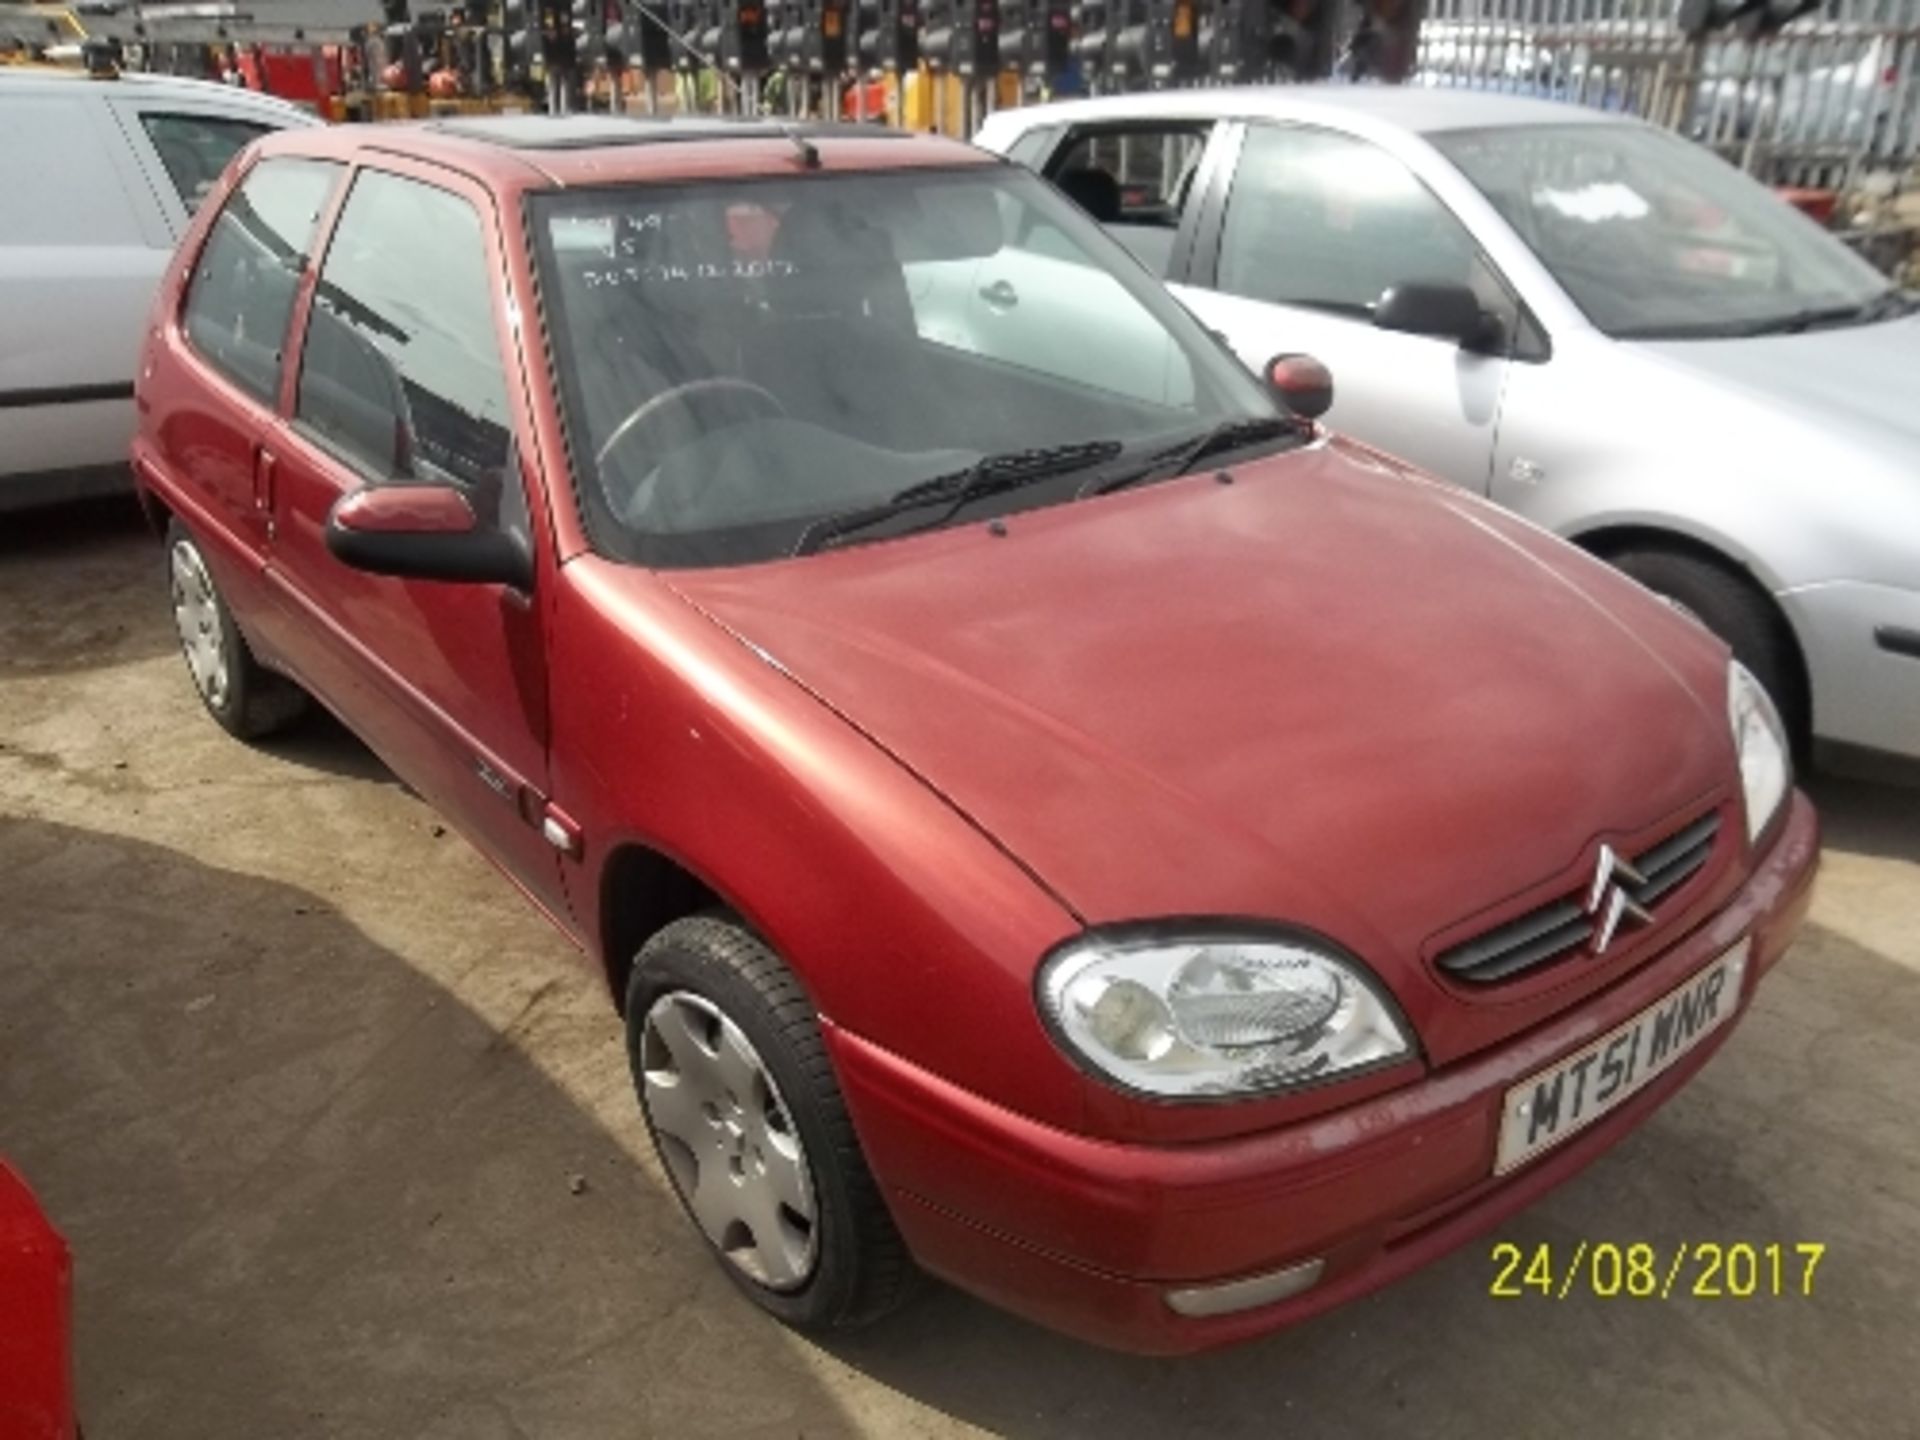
x: 1687, y: 1270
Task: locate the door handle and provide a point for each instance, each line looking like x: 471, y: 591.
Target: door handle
x: 1000, y: 295
x: 265, y: 468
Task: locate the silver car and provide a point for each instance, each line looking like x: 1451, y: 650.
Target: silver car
x: 98, y: 179
x: 1593, y: 322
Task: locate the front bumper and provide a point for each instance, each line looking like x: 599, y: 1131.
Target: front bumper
x: 1866, y: 685
x: 1089, y: 1236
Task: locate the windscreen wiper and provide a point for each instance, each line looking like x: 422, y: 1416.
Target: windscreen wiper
x: 989, y: 475
x: 1889, y: 303
x: 1180, y: 458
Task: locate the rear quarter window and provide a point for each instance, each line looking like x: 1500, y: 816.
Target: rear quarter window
x: 240, y: 296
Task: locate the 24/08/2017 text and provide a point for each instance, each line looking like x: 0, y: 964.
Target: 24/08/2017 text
x: 1696, y: 1270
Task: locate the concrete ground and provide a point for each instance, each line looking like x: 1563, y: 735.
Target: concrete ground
x: 308, y: 1089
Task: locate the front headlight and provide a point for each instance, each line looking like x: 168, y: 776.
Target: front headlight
x: 1217, y: 1016
x: 1760, y: 740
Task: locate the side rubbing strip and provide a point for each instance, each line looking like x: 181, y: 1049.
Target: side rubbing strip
x: 65, y: 395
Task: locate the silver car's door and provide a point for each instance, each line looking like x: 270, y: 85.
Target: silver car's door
x: 1304, y: 232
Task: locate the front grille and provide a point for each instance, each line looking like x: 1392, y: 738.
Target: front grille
x: 1566, y: 926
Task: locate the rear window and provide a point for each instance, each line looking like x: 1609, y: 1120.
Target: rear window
x: 240, y: 297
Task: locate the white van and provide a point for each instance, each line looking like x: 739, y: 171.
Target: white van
x: 98, y: 179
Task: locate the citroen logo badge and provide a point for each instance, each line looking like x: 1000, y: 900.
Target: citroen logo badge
x: 1609, y: 900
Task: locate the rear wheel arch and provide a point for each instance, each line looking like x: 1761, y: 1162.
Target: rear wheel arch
x: 1653, y: 548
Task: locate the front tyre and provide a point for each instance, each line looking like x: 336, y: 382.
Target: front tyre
x: 748, y: 1121
x: 246, y: 698
x: 1740, y: 613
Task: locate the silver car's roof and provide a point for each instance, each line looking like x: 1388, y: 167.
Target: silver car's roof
x: 1406, y: 107
x: 27, y: 79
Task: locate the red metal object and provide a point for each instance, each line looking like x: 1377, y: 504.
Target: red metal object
x: 1819, y: 204
x: 864, y: 100
x: 36, y: 1319
x: 1330, y: 692
x: 306, y: 74
x: 1303, y: 383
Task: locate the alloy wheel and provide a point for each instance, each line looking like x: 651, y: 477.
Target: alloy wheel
x: 728, y: 1140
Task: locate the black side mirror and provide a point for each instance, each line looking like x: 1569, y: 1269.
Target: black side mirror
x: 425, y: 532
x: 1447, y: 312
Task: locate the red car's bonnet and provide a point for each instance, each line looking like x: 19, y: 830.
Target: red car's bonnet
x: 1260, y: 699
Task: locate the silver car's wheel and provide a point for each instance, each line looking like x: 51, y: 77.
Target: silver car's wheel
x: 196, y: 616
x: 1740, y: 612
x: 729, y: 1140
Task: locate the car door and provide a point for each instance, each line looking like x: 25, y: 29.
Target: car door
x: 402, y: 378
x: 215, y: 367
x: 82, y: 246
x: 1305, y: 231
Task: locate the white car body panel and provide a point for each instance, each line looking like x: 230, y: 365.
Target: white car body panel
x: 78, y: 269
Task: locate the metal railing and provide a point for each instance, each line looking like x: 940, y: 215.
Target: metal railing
x: 1833, y: 95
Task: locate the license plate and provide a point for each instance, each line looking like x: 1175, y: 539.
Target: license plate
x: 1554, y: 1104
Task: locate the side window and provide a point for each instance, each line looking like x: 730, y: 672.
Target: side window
x: 59, y: 180
x: 1329, y: 222
x: 1134, y: 181
x: 240, y: 296
x: 401, y: 371
x: 1032, y: 145
x: 196, y: 148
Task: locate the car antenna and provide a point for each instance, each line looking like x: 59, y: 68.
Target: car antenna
x: 809, y: 152
x: 707, y: 61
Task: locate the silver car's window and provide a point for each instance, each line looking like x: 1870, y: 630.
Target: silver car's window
x: 738, y: 360
x: 1653, y: 236
x: 1136, y: 180
x: 196, y: 148
x: 1325, y: 221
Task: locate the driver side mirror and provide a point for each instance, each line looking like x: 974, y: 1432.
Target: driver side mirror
x: 424, y: 532
x: 1446, y: 312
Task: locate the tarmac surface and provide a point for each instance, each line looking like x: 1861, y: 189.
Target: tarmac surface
x: 311, y: 1091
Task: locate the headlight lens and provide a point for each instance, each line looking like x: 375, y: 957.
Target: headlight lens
x: 1760, y: 740
x: 1227, y: 1016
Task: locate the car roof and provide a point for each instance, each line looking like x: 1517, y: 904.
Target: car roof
x: 1418, y: 108
x: 28, y: 79
x: 545, y: 151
